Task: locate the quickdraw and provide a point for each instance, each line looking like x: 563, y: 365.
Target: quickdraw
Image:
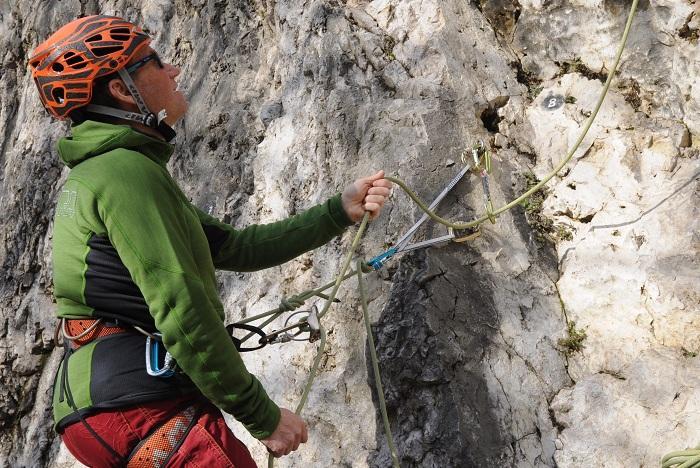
x: 481, y: 167
x: 482, y: 163
x: 308, y: 326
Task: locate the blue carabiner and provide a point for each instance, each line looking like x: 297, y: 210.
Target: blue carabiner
x: 152, y: 359
x: 378, y: 262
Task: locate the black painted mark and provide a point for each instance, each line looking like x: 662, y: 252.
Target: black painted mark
x: 553, y: 101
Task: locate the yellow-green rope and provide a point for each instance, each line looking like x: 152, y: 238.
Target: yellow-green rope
x: 556, y: 170
x: 682, y: 459
x: 326, y: 306
x: 693, y: 460
x: 375, y: 366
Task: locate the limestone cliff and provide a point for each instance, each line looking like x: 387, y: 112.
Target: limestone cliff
x: 566, y: 335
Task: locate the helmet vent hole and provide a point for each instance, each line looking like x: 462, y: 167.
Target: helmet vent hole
x: 95, y: 38
x: 57, y: 67
x: 73, y: 59
x: 58, y: 95
x: 102, y: 51
x: 120, y: 34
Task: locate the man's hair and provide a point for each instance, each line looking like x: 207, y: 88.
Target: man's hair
x: 101, y: 97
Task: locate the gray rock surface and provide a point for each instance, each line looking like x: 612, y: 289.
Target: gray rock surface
x: 481, y: 344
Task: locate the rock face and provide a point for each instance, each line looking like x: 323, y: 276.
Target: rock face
x: 565, y: 335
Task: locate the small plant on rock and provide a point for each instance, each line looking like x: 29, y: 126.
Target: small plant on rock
x: 574, y: 342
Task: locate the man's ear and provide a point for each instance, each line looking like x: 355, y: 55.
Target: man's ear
x: 119, y: 92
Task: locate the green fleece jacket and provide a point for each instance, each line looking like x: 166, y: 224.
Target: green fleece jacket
x: 120, y: 191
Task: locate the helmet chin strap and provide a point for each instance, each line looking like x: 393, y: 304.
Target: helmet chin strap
x: 146, y: 117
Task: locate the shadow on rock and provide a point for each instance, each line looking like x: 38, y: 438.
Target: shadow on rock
x: 431, y: 338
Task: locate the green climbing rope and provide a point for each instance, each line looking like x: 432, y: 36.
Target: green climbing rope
x: 556, y: 170
x: 683, y: 459
x: 326, y: 306
x: 690, y: 459
x: 375, y: 366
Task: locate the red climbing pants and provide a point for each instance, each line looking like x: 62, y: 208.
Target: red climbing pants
x: 209, y: 444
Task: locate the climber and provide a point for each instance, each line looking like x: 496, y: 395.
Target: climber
x: 132, y: 256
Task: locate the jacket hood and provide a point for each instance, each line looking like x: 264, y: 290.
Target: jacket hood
x: 92, y: 138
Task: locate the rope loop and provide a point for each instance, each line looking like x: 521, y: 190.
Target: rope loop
x: 682, y: 459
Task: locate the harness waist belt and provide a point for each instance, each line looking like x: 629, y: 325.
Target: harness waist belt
x: 86, y: 330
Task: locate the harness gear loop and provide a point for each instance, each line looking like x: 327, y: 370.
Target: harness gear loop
x: 87, y: 331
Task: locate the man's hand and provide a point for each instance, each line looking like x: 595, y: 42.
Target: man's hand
x: 291, y: 431
x: 366, y: 194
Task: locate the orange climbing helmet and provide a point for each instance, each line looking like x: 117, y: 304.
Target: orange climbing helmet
x: 67, y: 64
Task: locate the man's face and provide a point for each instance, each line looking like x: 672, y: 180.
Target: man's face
x: 157, y: 86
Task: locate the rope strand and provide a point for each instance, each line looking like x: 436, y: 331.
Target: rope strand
x: 375, y: 367
x: 688, y: 459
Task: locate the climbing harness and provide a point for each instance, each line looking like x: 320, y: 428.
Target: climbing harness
x: 70, y: 345
x: 158, y: 447
x: 80, y: 332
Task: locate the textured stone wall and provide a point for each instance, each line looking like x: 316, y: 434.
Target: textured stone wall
x: 566, y: 335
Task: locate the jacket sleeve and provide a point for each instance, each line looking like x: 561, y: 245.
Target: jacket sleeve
x: 265, y: 245
x: 154, y: 230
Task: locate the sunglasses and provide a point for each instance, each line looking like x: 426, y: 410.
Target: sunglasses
x: 136, y: 65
